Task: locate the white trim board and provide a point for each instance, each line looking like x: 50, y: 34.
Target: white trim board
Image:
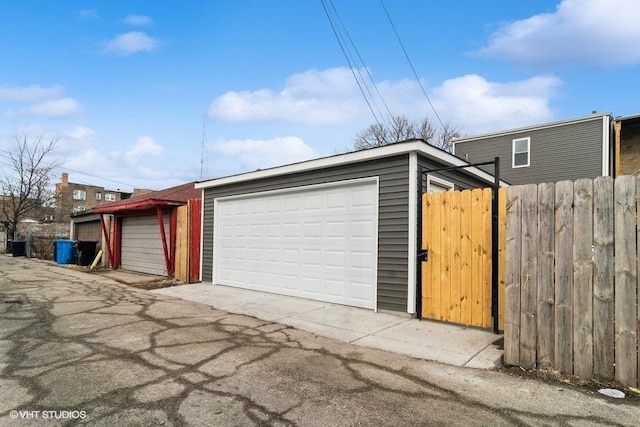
x: 413, y: 146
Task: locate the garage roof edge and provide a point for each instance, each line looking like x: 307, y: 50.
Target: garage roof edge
x: 406, y: 147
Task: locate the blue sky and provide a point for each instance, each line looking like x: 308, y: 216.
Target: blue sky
x: 128, y: 87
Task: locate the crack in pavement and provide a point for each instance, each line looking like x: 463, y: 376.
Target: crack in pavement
x: 127, y: 356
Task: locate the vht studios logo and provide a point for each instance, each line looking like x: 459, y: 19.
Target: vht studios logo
x: 48, y: 415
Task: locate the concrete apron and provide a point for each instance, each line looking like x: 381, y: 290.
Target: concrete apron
x: 446, y: 343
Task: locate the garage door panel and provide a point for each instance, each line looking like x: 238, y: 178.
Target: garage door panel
x: 315, y: 243
x: 141, y: 245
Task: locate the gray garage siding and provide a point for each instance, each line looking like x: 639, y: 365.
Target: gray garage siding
x: 563, y: 152
x: 459, y: 178
x: 393, y: 223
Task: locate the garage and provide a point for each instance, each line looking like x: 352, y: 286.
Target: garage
x: 153, y: 232
x: 317, y: 242
x: 342, y: 228
x: 141, y: 245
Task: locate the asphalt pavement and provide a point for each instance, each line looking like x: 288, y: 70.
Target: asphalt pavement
x: 83, y: 349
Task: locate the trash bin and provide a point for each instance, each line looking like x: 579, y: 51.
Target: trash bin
x: 19, y: 248
x: 65, y: 251
x: 86, y: 252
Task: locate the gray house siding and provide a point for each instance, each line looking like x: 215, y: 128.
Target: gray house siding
x: 393, y: 223
x: 566, y: 151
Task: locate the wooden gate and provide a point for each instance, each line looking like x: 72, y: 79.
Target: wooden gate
x: 456, y: 277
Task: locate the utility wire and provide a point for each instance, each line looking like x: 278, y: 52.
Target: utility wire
x: 406, y: 55
x: 349, y: 62
x: 63, y: 168
x: 355, y: 48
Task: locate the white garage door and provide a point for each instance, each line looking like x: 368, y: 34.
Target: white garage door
x: 317, y: 242
x: 141, y: 245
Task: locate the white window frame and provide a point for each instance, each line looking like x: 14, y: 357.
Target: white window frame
x: 79, y: 195
x: 513, y: 152
x: 439, y: 182
x: 98, y: 195
x: 109, y: 197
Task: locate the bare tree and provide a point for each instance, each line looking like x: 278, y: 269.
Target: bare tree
x: 401, y: 129
x: 25, y: 185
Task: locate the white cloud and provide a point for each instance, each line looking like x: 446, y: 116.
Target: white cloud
x: 80, y: 133
x: 138, y: 20
x: 29, y: 93
x: 251, y: 154
x: 132, y: 42
x: 88, y: 14
x: 62, y: 107
x: 593, y: 32
x: 315, y: 97
x: 143, y: 147
x: 478, y: 105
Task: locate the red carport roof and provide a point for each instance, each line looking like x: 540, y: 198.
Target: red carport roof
x: 174, y: 196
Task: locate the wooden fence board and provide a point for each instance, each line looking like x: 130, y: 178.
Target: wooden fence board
x: 435, y: 257
x: 445, y: 260
x: 485, y: 246
x: 529, y: 277
x: 466, y: 253
x: 603, y: 276
x: 427, y: 227
x: 502, y: 256
x: 455, y: 283
x: 626, y: 272
x: 546, y: 256
x: 476, y: 257
x: 182, y: 244
x: 583, y: 278
x: 512, y: 289
x: 564, y: 277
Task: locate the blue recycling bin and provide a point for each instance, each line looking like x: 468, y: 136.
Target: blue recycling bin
x: 65, y: 251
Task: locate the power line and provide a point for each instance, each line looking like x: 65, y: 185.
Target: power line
x: 64, y: 168
x: 361, y: 82
x: 406, y: 55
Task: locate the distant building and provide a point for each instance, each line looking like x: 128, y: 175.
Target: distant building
x: 73, y: 198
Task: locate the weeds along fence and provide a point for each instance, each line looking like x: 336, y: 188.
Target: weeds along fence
x: 572, y: 278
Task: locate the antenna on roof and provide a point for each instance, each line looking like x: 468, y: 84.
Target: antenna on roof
x: 202, y: 151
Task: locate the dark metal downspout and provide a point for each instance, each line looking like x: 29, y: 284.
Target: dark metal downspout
x: 419, y: 257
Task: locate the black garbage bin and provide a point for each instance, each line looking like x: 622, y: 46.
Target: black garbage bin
x: 86, y: 251
x: 19, y: 248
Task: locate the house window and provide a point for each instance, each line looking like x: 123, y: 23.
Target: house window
x: 521, y: 152
x: 79, y: 195
x: 437, y: 185
x: 110, y: 197
x: 98, y: 196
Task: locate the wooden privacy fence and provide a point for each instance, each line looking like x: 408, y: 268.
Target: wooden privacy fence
x: 572, y: 305
x: 188, y: 242
x: 456, y: 277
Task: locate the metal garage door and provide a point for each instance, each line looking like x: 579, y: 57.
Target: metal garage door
x: 141, y: 245
x: 316, y: 242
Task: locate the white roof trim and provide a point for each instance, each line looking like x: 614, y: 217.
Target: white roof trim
x: 411, y: 146
x: 529, y: 128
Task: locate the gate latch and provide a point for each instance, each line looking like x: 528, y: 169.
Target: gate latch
x: 423, y: 255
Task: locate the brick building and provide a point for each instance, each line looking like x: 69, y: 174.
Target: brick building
x: 72, y: 198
